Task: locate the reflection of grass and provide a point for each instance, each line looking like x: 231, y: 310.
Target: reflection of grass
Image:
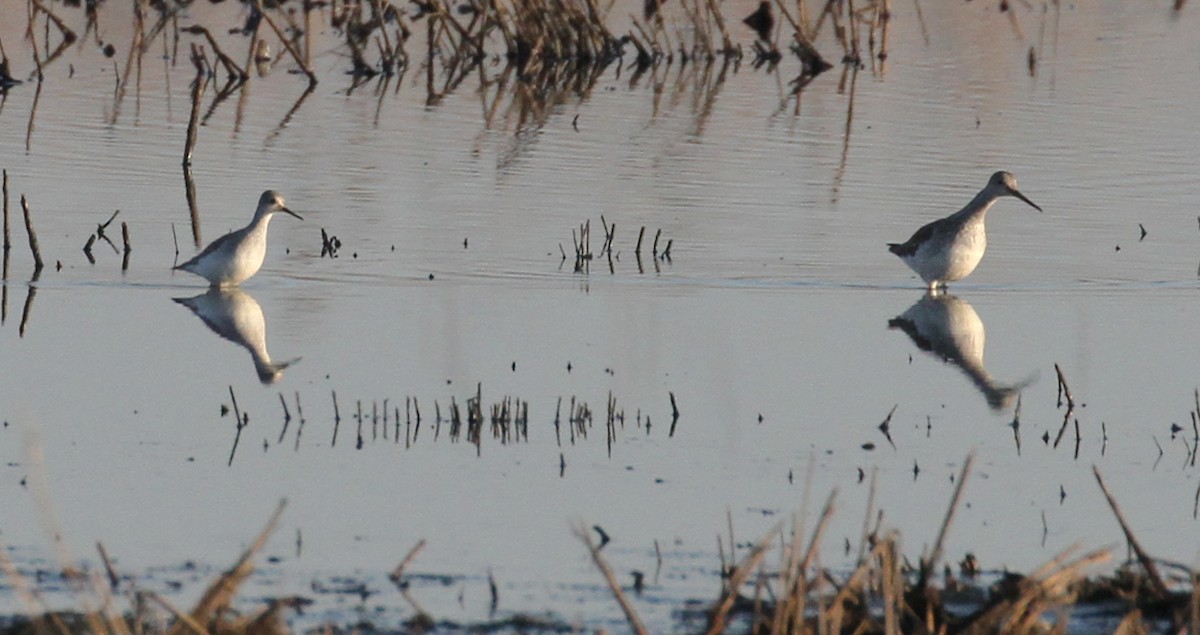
x: 550, y: 43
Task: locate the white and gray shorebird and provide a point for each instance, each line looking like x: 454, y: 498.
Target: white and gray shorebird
x: 950, y: 248
x: 236, y: 256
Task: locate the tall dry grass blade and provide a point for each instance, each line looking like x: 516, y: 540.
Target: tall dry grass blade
x: 737, y: 576
x: 189, y: 624
x: 866, y: 528
x: 1052, y: 586
x: 1194, y: 605
x: 826, y: 515
x: 928, y: 565
x: 24, y: 592
x: 1132, y: 624
x: 287, y: 45
x: 635, y: 622
x: 397, y: 574
x: 1160, y: 589
x: 892, y: 583
x: 220, y: 593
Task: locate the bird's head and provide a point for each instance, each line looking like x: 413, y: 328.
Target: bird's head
x: 1005, y: 184
x: 271, y: 202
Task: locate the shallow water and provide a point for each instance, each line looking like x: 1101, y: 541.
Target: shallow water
x: 770, y: 323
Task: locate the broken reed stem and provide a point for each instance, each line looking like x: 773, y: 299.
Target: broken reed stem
x: 312, y: 78
x: 231, y: 67
x: 1160, y: 589
x: 928, y: 566
x: 337, y: 420
x: 237, y: 414
x: 397, y: 574
x: 635, y: 623
x: 7, y: 240
x: 826, y: 515
x: 187, y: 621
x: 741, y: 571
x: 193, y: 128
x: 1064, y: 391
x: 113, y: 579
x: 220, y: 593
x: 33, y: 240
x: 866, y: 527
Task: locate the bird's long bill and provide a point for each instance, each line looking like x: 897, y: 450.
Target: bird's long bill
x: 1022, y: 197
x: 284, y: 209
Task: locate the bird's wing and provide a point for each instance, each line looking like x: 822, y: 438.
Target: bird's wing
x: 918, y: 238
x: 213, y: 246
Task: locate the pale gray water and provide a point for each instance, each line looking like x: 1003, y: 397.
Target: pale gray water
x: 776, y: 304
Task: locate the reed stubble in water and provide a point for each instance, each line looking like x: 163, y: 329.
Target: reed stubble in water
x: 33, y: 239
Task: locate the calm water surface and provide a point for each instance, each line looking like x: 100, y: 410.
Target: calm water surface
x: 774, y: 324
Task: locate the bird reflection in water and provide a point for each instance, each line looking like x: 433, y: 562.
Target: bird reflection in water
x: 235, y: 315
x: 951, y: 329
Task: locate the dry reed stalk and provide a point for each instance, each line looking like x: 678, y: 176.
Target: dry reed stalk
x: 241, y: 423
x: 220, y: 593
x: 312, y: 78
x: 635, y: 623
x: 1063, y: 390
x: 885, y: 22
x: 791, y: 575
x: 308, y: 5
x: 866, y: 526
x: 193, y: 128
x: 726, y: 42
x: 853, y: 20
x: 853, y: 595
x: 790, y: 609
x: 37, y: 97
x: 397, y: 574
x: 892, y: 582
x: 702, y: 28
x: 1053, y: 585
x: 737, y: 576
x: 67, y: 34
x: 231, y: 67
x: 27, y: 310
x: 826, y: 515
x: 1016, y: 25
x: 188, y: 622
x: 114, y: 580
x: 33, y: 240
x: 34, y: 608
x: 1194, y: 605
x: 7, y: 239
x: 928, y: 565
x: 1156, y: 582
x: 1132, y: 624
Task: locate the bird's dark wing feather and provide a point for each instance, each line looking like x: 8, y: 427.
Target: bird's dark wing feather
x: 910, y: 328
x: 918, y: 238
x: 213, y: 246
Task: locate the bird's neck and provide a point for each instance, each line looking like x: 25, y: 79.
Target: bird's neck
x: 259, y: 224
x: 978, y: 206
